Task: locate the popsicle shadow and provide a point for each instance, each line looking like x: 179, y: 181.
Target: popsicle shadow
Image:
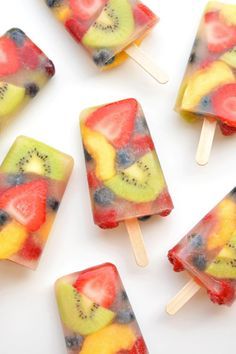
x: 12, y: 273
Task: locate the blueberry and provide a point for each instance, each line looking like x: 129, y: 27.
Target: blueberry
x: 145, y: 218
x: 103, y: 196
x: 74, y: 342
x: 125, y: 316
x: 53, y: 203
x: 103, y: 57
x: 124, y: 296
x: 88, y: 157
x: 141, y: 125
x: 125, y: 158
x: 31, y: 89
x: 53, y: 3
x: 195, y: 240
x: 14, y: 180
x: 17, y: 36
x: 205, y: 103
x: 4, y: 217
x: 199, y: 261
x: 233, y: 192
x: 193, y: 58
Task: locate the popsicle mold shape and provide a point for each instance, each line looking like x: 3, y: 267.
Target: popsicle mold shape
x: 96, y: 314
x: 33, y: 178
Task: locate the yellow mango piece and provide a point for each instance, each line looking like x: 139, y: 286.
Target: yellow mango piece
x: 102, y: 152
x: 12, y: 237
x: 226, y: 228
x: 228, y: 14
x: 109, y: 340
x: 205, y: 81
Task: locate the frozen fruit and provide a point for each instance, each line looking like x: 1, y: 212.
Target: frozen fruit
x: 79, y: 313
x: 26, y: 203
x: 115, y: 121
x: 30, y: 250
x: 125, y: 316
x: 4, y: 217
x: 12, y: 237
x: 224, y: 103
x: 17, y: 35
x: 9, y: 60
x: 103, y: 57
x: 143, y: 15
x: 106, y: 219
x: 103, y: 196
x: 98, y: 284
x: 53, y: 203
x: 76, y: 28
x: 11, y: 97
x: 74, y: 342
x: 125, y: 157
x: 86, y: 9
x: 31, y: 89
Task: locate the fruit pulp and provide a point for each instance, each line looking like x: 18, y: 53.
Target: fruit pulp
x: 124, y: 174
x: 105, y: 27
x: 24, y: 70
x: 209, y: 85
x: 31, y: 191
x: 96, y: 313
x: 208, y: 251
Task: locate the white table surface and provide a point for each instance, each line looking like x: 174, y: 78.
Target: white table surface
x: 29, y: 322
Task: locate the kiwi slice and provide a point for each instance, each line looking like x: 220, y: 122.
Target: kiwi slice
x: 11, y: 97
x: 113, y: 27
x: 79, y: 313
x: 230, y: 57
x: 30, y: 156
x: 224, y: 266
x: 142, y: 182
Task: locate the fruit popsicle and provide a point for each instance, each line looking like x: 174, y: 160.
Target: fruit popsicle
x: 33, y: 178
x: 24, y: 70
x: 96, y: 314
x: 208, y: 254
x: 208, y: 89
x: 110, y: 30
x: 125, y: 178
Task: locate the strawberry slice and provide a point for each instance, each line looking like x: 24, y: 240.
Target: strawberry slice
x: 115, y: 121
x: 30, y: 250
x: 30, y: 55
x: 224, y: 104
x: 27, y: 203
x: 227, y: 130
x: 144, y: 16
x: 9, y: 62
x: 99, y: 284
x: 220, y: 36
x: 76, y: 29
x: 142, y: 143
x: 139, y: 347
x: 106, y: 219
x: 86, y: 9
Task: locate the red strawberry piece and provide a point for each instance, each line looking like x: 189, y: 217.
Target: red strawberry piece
x: 115, y: 121
x: 9, y: 61
x: 220, y: 36
x: 227, y: 130
x: 93, y: 182
x: 49, y: 68
x: 86, y: 9
x: 76, y: 28
x: 225, y: 295
x: 142, y: 143
x: 163, y: 203
x: 143, y: 15
x: 139, y: 347
x: 30, y: 55
x: 178, y: 266
x: 224, y: 104
x: 106, y: 219
x: 26, y: 203
x: 30, y: 250
x: 99, y: 284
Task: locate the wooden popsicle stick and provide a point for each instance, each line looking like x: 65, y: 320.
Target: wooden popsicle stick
x: 143, y: 60
x: 137, y: 242
x: 206, y: 141
x: 188, y: 291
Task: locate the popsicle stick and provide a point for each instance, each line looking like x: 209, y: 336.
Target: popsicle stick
x: 143, y: 60
x: 206, y: 141
x: 136, y: 239
x: 188, y: 291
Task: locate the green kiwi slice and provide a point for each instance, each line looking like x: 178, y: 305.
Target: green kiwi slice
x: 113, y: 27
x: 31, y: 156
x: 224, y: 266
x: 142, y: 182
x: 79, y: 313
x: 230, y: 57
x: 11, y: 97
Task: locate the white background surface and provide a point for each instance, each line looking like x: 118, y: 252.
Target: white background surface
x: 29, y: 322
